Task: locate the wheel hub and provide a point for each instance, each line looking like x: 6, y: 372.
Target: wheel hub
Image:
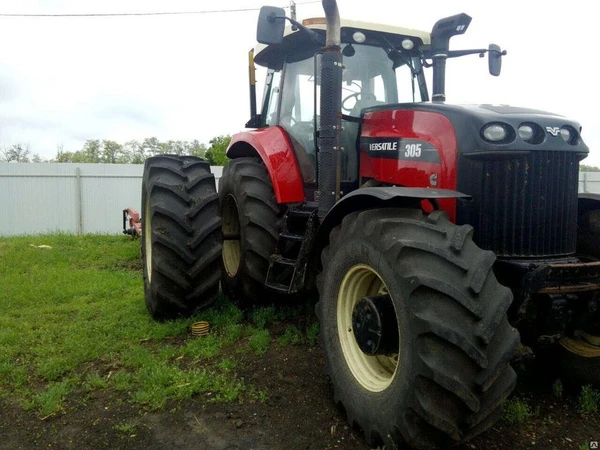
x: 374, y: 325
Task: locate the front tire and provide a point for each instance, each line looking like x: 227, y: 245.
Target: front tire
x: 449, y: 373
x: 181, y: 236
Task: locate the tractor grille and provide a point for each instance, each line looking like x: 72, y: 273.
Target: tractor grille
x: 529, y: 204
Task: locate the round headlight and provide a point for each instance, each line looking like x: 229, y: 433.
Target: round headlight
x: 566, y: 134
x: 494, y: 132
x: 526, y: 132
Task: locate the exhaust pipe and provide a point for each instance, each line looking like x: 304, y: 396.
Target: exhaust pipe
x: 330, y: 125
x: 332, y: 15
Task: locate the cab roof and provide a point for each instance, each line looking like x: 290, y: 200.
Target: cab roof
x: 298, y: 46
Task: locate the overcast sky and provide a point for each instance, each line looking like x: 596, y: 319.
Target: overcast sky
x: 184, y: 77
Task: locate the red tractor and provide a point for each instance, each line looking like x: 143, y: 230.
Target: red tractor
x: 431, y: 232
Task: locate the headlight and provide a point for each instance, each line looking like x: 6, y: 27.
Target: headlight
x: 495, y: 132
x: 566, y: 134
x: 569, y: 135
x: 526, y: 132
x: 531, y: 133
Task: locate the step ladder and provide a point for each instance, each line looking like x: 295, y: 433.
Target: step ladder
x: 287, y: 266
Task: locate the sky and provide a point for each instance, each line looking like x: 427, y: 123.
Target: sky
x: 183, y: 77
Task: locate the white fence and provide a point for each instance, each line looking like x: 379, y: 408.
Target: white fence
x: 71, y: 198
x: 90, y: 198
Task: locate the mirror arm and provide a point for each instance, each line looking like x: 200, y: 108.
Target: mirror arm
x: 315, y: 37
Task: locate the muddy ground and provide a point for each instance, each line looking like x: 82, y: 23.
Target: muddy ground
x: 298, y: 414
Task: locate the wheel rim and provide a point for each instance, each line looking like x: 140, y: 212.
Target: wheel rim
x: 232, y: 247
x: 588, y: 346
x: 374, y: 373
x: 148, y: 239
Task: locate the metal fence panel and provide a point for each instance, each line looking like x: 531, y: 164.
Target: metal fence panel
x: 589, y: 182
x: 89, y: 198
x: 72, y: 198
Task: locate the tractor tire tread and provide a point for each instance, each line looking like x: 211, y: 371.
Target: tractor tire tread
x: 463, y: 386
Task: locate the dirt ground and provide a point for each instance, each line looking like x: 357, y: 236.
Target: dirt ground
x: 298, y: 414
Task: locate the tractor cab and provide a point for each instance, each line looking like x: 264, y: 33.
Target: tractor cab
x: 382, y: 65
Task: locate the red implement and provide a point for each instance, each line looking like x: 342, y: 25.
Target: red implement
x: 132, y: 218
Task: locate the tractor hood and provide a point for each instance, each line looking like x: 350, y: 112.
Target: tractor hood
x: 524, y: 128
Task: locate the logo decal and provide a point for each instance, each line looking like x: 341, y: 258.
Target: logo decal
x: 554, y: 131
x: 400, y: 148
x: 383, y: 146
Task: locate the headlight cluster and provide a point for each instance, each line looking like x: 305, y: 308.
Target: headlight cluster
x: 530, y: 132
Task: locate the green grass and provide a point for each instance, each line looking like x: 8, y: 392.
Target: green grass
x: 259, y: 340
x: 589, y: 399
x: 516, y: 411
x: 128, y: 429
x: 292, y: 335
x: 557, y: 389
x: 73, y: 319
x: 312, y: 334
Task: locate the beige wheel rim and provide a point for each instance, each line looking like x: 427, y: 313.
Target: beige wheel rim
x: 148, y: 239
x: 232, y: 247
x: 587, y: 346
x: 374, y: 373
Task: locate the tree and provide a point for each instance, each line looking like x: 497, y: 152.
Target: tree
x: 112, y: 153
x: 215, y: 154
x: 197, y: 149
x: 16, y: 153
x: 586, y: 168
x: 136, y: 152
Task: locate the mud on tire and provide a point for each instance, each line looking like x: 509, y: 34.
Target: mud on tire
x: 251, y: 224
x: 181, y: 237
x: 451, y: 372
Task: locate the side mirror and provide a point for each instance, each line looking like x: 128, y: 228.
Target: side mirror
x: 495, y: 59
x: 271, y: 22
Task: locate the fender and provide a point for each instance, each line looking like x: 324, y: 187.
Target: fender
x: 273, y: 146
x: 373, y: 198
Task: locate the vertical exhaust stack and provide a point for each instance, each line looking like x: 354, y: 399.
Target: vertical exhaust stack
x: 330, y: 125
x: 443, y: 31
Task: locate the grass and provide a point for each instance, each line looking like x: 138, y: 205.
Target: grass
x: 73, y: 318
x: 588, y: 399
x: 74, y: 321
x: 557, y: 389
x: 259, y: 341
x: 516, y: 411
x: 292, y: 335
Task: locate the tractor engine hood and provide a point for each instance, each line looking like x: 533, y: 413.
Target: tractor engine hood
x: 486, y: 128
x: 519, y: 166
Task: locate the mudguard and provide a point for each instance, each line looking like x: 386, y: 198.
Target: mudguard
x: 377, y: 197
x: 273, y: 146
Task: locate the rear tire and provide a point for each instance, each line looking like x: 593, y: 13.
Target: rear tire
x: 450, y: 374
x: 181, y: 237
x: 251, y: 225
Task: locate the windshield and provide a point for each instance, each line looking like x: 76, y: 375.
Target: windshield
x: 369, y: 79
